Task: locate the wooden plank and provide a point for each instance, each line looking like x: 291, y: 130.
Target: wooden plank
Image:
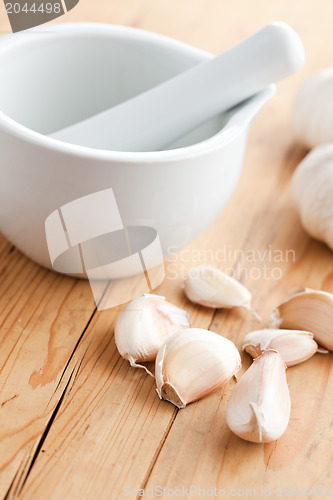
x: 42, y: 316
x: 109, y: 423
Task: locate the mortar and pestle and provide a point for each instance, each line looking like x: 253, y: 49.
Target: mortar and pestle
x: 90, y: 107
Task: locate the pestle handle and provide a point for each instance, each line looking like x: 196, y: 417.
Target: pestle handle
x: 156, y: 118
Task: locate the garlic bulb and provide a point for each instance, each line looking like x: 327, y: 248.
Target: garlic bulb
x: 144, y: 324
x: 313, y: 110
x: 211, y: 287
x: 312, y: 192
x: 312, y: 311
x: 194, y: 363
x: 294, y: 346
x: 259, y: 406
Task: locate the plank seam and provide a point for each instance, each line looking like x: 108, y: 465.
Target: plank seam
x: 45, y: 432
x: 17, y: 485
x: 74, y: 351
x: 158, y: 451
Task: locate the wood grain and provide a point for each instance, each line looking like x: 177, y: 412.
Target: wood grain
x: 75, y: 421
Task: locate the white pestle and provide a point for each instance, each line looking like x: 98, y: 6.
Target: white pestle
x: 161, y: 115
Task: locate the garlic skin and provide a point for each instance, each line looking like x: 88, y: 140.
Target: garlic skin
x: 194, y: 363
x: 312, y: 192
x: 259, y: 406
x: 312, y: 118
x: 311, y: 310
x: 144, y: 324
x: 294, y: 346
x: 210, y: 287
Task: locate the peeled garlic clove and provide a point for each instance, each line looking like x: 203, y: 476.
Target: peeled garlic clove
x: 144, y: 324
x: 312, y: 193
x: 312, y: 311
x: 194, y: 363
x: 259, y: 406
x: 294, y: 346
x: 313, y: 109
x: 211, y: 287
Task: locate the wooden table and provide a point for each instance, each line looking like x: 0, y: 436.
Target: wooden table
x: 75, y: 421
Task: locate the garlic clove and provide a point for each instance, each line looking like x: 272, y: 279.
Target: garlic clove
x: 312, y: 117
x: 259, y: 406
x: 312, y: 193
x: 194, y: 363
x: 144, y: 324
x: 294, y: 346
x: 310, y: 310
x: 210, y: 287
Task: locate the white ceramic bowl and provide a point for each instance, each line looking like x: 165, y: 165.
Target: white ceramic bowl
x: 50, y: 79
